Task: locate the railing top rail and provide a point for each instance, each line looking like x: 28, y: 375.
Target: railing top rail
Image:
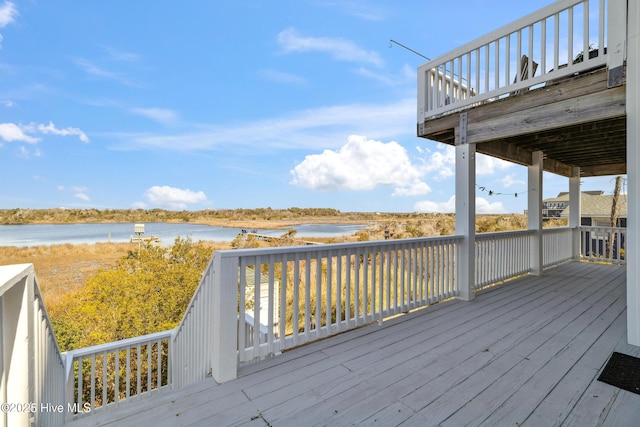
x: 12, y: 274
x: 114, y: 345
x: 596, y: 227
x: 526, y: 21
x: 334, y: 246
x: 502, y: 234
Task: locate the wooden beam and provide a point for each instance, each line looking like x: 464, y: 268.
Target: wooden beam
x: 593, y: 107
x: 552, y: 92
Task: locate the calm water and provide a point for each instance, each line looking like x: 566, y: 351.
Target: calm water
x: 54, y: 234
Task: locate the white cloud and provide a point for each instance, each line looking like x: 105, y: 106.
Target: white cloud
x: 418, y: 188
x: 51, y: 129
x: 483, y: 206
x: 510, y: 181
x: 361, y: 164
x: 173, y: 198
x: 12, y: 132
x: 487, y: 165
x: 160, y: 115
x: 25, y: 153
x: 427, y: 206
x: 82, y: 196
x: 441, y: 162
x: 138, y: 205
x: 339, y: 49
x: 8, y: 13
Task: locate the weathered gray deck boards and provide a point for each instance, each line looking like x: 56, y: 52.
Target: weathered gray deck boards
x: 524, y: 353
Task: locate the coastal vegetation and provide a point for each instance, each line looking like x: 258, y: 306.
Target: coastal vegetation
x: 146, y: 291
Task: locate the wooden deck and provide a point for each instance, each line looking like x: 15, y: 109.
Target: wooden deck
x: 526, y: 353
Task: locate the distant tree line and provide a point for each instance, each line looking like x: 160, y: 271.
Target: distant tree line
x: 66, y: 216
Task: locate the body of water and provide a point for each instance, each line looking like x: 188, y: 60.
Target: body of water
x: 55, y: 234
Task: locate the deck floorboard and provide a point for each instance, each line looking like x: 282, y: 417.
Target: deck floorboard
x: 527, y: 352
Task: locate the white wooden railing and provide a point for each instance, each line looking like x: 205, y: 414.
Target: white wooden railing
x: 105, y: 375
x: 191, y: 340
x: 557, y: 245
x: 546, y: 45
x: 502, y: 255
x: 32, y: 384
x: 327, y: 290
x: 606, y: 244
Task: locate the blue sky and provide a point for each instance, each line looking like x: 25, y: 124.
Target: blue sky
x: 235, y: 104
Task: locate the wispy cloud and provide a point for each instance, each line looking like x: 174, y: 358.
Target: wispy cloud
x: 26, y: 153
x: 318, y: 129
x: 8, y: 14
x: 359, y: 8
x: 120, y: 55
x: 339, y: 49
x: 160, y: 115
x: 100, y: 72
x: 70, y: 131
x: 405, y: 76
x: 79, y: 192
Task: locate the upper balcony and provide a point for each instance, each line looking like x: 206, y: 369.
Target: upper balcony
x: 553, y: 81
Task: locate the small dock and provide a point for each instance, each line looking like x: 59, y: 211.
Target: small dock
x: 285, y: 238
x: 146, y: 240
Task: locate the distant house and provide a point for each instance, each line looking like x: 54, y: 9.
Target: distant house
x: 595, y: 209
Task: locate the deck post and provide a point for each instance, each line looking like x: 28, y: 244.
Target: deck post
x: 224, y: 358
x: 616, y: 41
x: 632, y: 253
x: 575, y: 212
x: 535, y: 211
x: 466, y: 211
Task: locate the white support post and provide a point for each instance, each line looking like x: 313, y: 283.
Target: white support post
x: 224, y: 358
x: 535, y: 211
x: 616, y: 41
x: 575, y: 212
x: 466, y: 211
x: 632, y: 250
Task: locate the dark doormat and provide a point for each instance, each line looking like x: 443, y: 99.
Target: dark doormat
x: 622, y: 371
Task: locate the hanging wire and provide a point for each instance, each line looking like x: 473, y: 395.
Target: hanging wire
x: 496, y: 193
x: 408, y: 48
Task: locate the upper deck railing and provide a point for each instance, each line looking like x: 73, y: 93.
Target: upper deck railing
x: 312, y: 292
x: 562, y: 39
